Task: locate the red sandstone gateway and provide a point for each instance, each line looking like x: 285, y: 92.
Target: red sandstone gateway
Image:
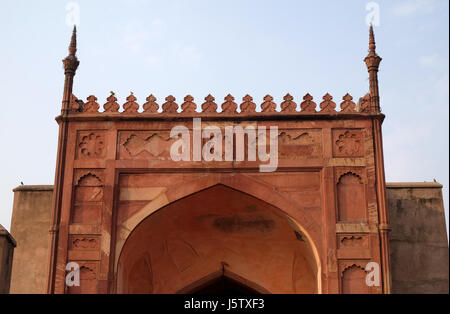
x: 137, y: 221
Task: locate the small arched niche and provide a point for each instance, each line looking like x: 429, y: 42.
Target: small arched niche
x: 354, y: 280
x: 351, y: 198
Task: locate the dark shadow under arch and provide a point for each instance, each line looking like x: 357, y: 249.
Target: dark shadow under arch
x: 223, y: 282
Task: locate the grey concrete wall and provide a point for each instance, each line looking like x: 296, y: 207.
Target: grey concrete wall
x: 7, y: 245
x: 30, y: 226
x: 418, y: 240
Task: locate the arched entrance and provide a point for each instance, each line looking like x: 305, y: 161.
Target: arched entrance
x: 224, y: 285
x: 223, y: 282
x: 218, y: 240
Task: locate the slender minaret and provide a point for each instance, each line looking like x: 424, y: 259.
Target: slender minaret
x: 70, y: 67
x: 372, y: 62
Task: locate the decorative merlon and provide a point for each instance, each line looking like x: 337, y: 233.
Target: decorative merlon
x: 228, y: 107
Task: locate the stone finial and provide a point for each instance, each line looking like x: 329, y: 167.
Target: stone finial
x: 151, y: 106
x: 170, y: 106
x: 248, y: 105
x: 111, y: 105
x: 268, y: 105
x: 75, y: 104
x: 188, y: 106
x: 327, y: 105
x: 372, y: 45
x: 288, y: 105
x: 308, y: 105
x: 209, y: 106
x: 131, y: 106
x: 364, y: 104
x: 71, y: 62
x: 229, y: 106
x: 372, y: 60
x: 347, y: 105
x: 73, y: 42
x: 91, y: 105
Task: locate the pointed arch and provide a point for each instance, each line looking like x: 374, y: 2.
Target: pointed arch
x: 263, y: 193
x: 217, y: 275
x: 239, y: 182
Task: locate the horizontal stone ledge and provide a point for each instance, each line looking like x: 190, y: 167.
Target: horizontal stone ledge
x: 145, y: 166
x: 33, y: 188
x: 355, y: 227
x: 256, y: 116
x: 406, y: 185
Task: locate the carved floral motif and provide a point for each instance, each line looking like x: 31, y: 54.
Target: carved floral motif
x: 348, y: 143
x: 92, y: 145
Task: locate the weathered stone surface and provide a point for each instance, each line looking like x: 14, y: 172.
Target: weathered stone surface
x: 7, y: 245
x: 30, y: 226
x: 418, y: 242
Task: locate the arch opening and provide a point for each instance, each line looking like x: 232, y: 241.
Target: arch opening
x: 224, y: 286
x: 221, y: 231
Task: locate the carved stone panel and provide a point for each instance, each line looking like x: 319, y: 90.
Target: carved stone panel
x: 81, y: 242
x: 91, y: 145
x: 299, y: 144
x: 84, y: 247
x: 346, y: 241
x: 145, y: 145
x: 348, y: 143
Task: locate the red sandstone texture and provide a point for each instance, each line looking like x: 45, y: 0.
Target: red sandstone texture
x: 137, y: 221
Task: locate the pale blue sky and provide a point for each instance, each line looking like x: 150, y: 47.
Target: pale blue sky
x: 199, y: 47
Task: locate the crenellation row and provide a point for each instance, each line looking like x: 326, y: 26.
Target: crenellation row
x: 288, y: 105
